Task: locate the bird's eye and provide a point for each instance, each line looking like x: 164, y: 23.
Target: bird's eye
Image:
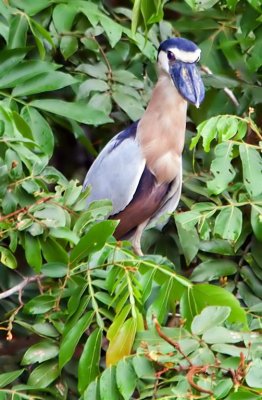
x: 171, y: 56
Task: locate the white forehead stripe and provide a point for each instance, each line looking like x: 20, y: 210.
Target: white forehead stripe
x: 186, y: 56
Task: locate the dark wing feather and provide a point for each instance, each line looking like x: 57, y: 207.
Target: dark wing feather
x: 145, y: 203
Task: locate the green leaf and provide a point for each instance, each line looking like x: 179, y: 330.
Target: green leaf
x: 30, y: 6
x: 227, y: 127
x: 121, y: 345
x: 45, y: 329
x: 63, y: 17
x: 40, y: 352
x: 17, y: 31
x: 108, y: 387
x: 251, y: 280
x: 256, y: 221
x: 33, y: 252
x: 126, y: 77
x: 126, y: 378
x: 54, y: 270
x: 9, y: 204
x: 9, y: 377
x: 216, y: 80
x: 22, y: 126
x: 189, y: 219
x: 92, y: 392
x: 72, y: 337
x: 51, y: 215
x: 208, y: 131
x: 213, y: 269
x: 112, y: 29
x: 118, y: 322
x: 72, y: 193
x: 152, y: 11
x: 78, y: 111
x: 40, y: 304
x: 255, y: 59
x: 92, y: 241
x: 230, y: 350
x: 222, y: 388
x: 97, y: 85
x: 256, y: 251
x: 217, y: 246
x: 43, y: 375
x: 202, y: 295
x: 129, y: 104
x: 53, y: 251
x: 254, y: 375
x: 10, y: 58
x: 228, y: 223
x: 41, y: 130
x: 219, y: 334
x: 221, y: 168
x: 98, y: 70
x: 68, y: 46
x: 252, y: 169
x: 39, y: 34
x: 209, y: 317
x: 88, y: 367
x: 143, y: 368
x: 189, y: 241
x: 96, y: 210
x: 243, y: 395
x: 24, y: 71
x: 91, y: 11
x: 7, y: 258
x: 45, y: 82
x: 136, y: 15
x: 101, y: 102
x: 169, y: 293
x: 64, y: 233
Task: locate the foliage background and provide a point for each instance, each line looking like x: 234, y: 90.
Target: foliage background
x: 74, y: 302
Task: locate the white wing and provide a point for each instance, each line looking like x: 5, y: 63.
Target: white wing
x: 116, y: 172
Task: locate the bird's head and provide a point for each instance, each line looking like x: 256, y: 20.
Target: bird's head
x: 178, y: 57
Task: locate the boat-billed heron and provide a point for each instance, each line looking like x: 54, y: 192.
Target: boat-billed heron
x: 140, y: 169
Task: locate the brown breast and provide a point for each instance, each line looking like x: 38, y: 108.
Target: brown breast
x: 161, y: 131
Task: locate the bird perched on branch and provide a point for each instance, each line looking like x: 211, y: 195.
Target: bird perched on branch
x: 140, y: 169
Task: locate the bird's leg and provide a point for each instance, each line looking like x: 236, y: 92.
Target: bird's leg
x: 136, y: 239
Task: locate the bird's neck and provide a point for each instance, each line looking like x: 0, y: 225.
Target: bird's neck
x: 161, y: 130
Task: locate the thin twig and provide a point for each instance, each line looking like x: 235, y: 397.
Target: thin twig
x: 24, y: 210
x: 170, y: 341
x: 194, y: 370
x: 228, y: 92
x: 19, y: 287
x: 110, y: 73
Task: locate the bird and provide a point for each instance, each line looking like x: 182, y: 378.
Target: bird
x: 140, y: 169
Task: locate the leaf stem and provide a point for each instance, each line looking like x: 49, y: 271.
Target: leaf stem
x: 170, y: 341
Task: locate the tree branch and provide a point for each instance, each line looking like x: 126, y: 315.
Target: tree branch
x: 194, y: 371
x: 24, y: 210
x: 20, y: 286
x: 170, y: 341
x: 228, y: 92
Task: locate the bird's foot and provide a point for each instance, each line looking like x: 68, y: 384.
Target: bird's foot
x: 136, y: 239
x: 137, y: 249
